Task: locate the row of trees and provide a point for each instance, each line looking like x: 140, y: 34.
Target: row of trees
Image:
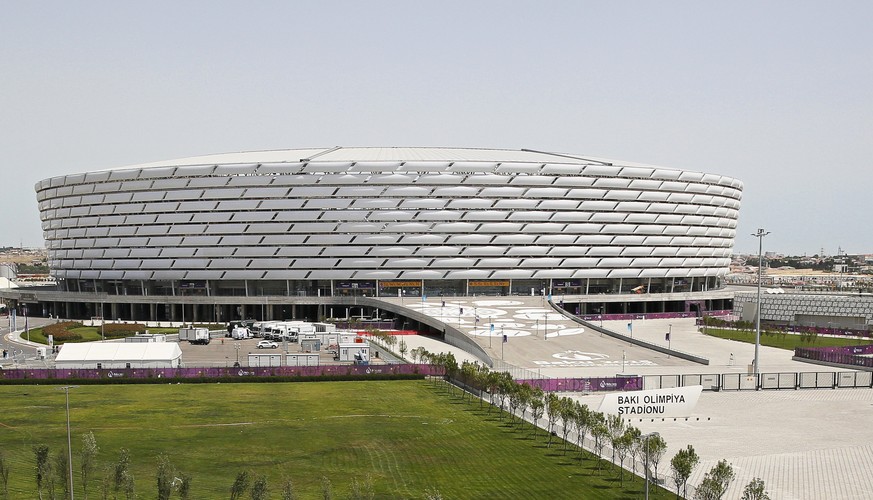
x: 571, y: 419
x: 51, y: 474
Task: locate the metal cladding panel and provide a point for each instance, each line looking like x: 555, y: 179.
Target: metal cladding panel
x: 487, y: 180
x: 360, y: 263
x: 512, y: 274
x: 468, y: 274
x: 441, y: 251
x: 505, y: 207
x: 499, y: 262
x: 624, y: 273
x: 518, y: 204
x: 299, y: 251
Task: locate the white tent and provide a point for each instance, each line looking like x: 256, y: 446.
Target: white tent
x: 119, y: 355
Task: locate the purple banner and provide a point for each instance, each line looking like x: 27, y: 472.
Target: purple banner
x: 278, y: 371
x: 665, y: 315
x: 850, y: 356
x: 586, y: 384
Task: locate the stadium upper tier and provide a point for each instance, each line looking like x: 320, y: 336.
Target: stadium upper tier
x: 383, y: 215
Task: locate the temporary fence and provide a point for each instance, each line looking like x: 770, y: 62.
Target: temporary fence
x: 604, y: 384
x: 762, y: 381
x: 222, y: 372
x: 845, y: 356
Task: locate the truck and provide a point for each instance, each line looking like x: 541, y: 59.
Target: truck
x: 194, y: 335
x: 240, y: 333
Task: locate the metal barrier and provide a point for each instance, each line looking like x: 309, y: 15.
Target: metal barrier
x: 763, y: 381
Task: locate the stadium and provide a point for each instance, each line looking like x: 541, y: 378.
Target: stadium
x: 279, y: 234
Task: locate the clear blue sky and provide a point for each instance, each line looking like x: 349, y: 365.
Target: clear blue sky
x: 778, y: 94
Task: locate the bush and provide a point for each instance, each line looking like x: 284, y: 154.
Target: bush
x: 60, y: 332
x: 119, y: 330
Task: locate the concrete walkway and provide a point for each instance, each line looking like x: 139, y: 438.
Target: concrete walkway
x: 806, y: 444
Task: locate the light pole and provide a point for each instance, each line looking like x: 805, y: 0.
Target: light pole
x: 66, y: 390
x: 760, y: 235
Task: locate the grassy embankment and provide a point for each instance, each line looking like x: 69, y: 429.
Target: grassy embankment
x: 784, y: 340
x: 408, y: 438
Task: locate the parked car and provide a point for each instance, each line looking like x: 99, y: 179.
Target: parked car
x: 267, y: 344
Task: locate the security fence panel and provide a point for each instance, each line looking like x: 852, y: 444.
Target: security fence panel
x: 688, y: 380
x: 652, y: 382
x: 787, y: 381
x: 807, y: 380
x: 731, y: 381
x: 710, y: 382
x: 826, y: 380
x: 769, y: 381
x: 670, y: 381
x: 864, y: 379
x: 748, y: 382
x: 847, y: 379
x: 818, y: 380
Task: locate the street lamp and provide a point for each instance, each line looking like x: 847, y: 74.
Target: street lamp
x: 66, y: 390
x: 646, y: 454
x: 760, y: 235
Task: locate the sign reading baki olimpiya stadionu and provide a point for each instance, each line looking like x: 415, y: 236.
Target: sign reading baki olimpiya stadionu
x: 675, y: 402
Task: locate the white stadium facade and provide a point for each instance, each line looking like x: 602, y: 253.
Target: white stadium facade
x: 272, y: 234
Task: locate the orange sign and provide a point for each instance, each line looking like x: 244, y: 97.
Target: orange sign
x: 489, y: 283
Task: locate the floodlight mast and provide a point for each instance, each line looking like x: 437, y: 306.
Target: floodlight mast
x: 760, y: 235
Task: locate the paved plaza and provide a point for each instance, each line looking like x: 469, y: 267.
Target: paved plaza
x: 804, y: 444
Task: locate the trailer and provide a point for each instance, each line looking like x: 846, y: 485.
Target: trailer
x: 194, y: 335
x: 257, y: 360
x: 300, y: 359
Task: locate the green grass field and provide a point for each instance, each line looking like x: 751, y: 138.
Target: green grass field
x: 409, y: 437
x: 782, y: 341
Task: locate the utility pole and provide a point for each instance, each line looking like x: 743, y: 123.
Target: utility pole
x: 760, y: 235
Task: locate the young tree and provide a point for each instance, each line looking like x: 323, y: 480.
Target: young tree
x: 600, y: 433
x: 755, y: 490
x: 259, y: 488
x: 635, y: 449
x: 654, y: 448
x: 552, y: 412
x: 326, y: 488
x: 566, y: 410
x: 4, y: 475
x: 403, y: 348
x: 164, y: 475
x: 683, y: 464
x: 121, y: 474
x: 582, y: 418
x: 183, y: 486
x: 62, y: 472
x: 715, y: 482
x: 88, y: 457
x: 537, y: 407
x: 240, y: 485
x: 524, y: 394
x: 615, y: 426
x: 622, y: 446
x: 288, y: 490
x: 43, y: 467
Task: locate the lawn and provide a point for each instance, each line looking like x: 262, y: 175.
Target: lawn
x: 407, y: 437
x: 783, y: 340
